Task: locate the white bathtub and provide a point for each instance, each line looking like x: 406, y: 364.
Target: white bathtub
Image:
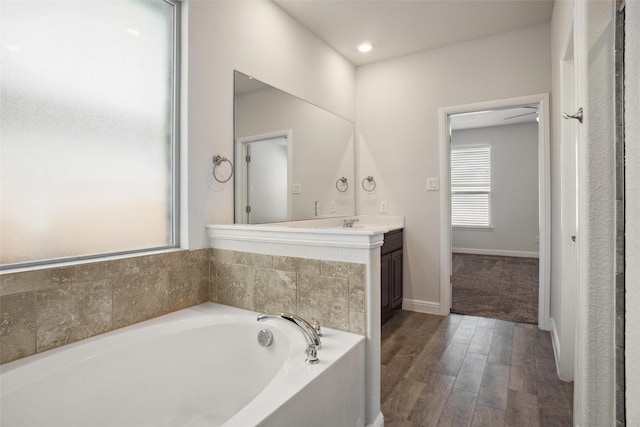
x: 197, y: 367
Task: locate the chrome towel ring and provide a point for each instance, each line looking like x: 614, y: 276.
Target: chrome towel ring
x: 369, y: 184
x: 342, y: 184
x: 217, y: 161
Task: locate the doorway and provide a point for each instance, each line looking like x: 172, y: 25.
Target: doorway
x: 494, y: 213
x: 263, y: 178
x: 541, y: 102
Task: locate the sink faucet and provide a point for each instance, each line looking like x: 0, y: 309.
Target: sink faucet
x: 348, y: 223
x: 310, y: 334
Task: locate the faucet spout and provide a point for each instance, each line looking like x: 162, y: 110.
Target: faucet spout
x: 310, y: 335
x: 348, y: 223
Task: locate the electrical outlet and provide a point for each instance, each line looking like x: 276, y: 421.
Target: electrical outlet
x: 384, y: 206
x: 296, y: 188
x: 332, y: 206
x: 433, y: 184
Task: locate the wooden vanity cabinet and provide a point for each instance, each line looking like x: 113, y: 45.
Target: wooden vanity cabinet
x: 391, y: 274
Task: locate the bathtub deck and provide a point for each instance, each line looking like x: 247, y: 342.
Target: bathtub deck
x: 469, y: 371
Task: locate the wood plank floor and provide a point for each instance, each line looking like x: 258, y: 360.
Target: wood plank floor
x: 469, y: 371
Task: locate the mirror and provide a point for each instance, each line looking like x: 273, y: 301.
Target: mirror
x: 293, y: 160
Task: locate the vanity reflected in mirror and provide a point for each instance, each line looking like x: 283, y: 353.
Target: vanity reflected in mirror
x: 293, y: 160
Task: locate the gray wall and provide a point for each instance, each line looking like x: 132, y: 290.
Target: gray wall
x: 514, y: 189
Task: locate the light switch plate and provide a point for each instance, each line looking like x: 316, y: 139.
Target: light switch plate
x: 433, y: 184
x: 296, y: 188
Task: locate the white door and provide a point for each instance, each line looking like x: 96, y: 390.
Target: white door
x: 267, y: 180
x: 569, y: 214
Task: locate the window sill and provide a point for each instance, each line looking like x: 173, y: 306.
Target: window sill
x: 461, y: 228
x: 21, y: 268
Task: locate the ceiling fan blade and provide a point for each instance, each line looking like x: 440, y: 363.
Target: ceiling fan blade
x: 520, y: 115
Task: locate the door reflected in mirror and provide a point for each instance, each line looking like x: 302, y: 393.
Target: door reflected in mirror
x: 265, y: 173
x: 289, y: 155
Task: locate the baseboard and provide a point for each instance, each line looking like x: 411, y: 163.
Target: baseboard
x: 378, y: 422
x: 555, y: 342
x: 429, y: 307
x: 557, y: 350
x: 496, y: 252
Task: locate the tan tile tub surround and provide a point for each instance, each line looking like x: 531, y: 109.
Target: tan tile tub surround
x: 46, y: 308
x: 331, y: 291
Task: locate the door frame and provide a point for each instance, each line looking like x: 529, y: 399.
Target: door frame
x: 241, y: 171
x: 563, y: 335
x: 544, y: 197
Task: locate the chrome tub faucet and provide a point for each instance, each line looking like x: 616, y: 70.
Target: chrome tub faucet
x: 309, y: 332
x: 348, y: 223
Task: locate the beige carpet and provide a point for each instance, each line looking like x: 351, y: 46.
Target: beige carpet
x: 498, y: 287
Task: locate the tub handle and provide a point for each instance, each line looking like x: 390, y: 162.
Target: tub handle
x: 316, y: 326
x: 312, y: 355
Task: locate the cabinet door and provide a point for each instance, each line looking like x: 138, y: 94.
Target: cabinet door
x: 385, y: 290
x: 396, y: 280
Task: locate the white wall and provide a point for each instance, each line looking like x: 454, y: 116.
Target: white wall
x: 594, y: 387
x: 259, y: 39
x: 397, y: 104
x: 594, y: 390
x: 632, y: 199
x: 514, y: 189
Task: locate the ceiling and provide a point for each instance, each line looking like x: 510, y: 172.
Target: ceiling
x: 402, y: 27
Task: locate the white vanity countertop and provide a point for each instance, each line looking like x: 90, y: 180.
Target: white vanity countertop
x: 364, y: 224
x: 302, y: 238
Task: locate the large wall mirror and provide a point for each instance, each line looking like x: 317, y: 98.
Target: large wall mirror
x: 293, y: 160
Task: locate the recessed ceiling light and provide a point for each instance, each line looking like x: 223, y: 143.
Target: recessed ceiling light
x: 365, y: 47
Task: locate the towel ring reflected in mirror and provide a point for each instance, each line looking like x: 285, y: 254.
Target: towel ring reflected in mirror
x: 342, y: 184
x: 217, y: 161
x: 369, y: 184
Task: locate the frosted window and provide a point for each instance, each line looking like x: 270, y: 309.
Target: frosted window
x: 471, y: 187
x: 87, y: 119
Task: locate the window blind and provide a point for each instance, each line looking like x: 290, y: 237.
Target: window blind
x: 471, y: 187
